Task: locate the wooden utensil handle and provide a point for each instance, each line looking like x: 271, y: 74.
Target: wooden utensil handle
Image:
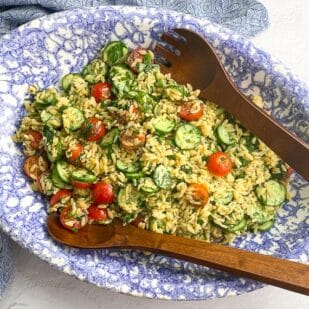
x: 278, y: 272
x: 288, y: 146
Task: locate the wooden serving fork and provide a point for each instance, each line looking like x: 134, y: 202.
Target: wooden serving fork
x: 196, y: 63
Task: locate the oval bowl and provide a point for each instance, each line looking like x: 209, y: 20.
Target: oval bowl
x: 47, y: 48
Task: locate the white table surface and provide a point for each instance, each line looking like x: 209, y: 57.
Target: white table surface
x: 37, y: 285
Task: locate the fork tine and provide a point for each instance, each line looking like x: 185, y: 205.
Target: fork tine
x: 165, y: 53
x: 167, y: 38
x: 183, y: 32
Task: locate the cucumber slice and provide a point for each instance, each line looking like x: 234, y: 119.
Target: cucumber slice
x: 110, y: 138
x: 224, y: 135
x: 72, y: 119
x: 83, y: 175
x: 66, y: 81
x: 127, y: 167
x: 129, y: 199
x: 238, y: 226
x: 63, y: 169
x: 224, y: 198
x: 163, y: 124
x: 114, y: 53
x: 57, y: 181
x: 148, y: 186
x: 162, y: 177
x: 51, y: 117
x: 266, y: 225
x: 187, y: 137
x: 136, y: 175
x: 271, y: 193
x: 121, y: 71
x: 261, y: 214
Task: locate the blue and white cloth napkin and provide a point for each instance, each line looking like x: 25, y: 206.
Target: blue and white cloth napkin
x: 247, y: 17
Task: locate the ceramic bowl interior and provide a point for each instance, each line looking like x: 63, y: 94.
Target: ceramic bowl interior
x: 42, y: 51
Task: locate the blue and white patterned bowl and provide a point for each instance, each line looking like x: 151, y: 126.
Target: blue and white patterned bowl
x: 45, y: 49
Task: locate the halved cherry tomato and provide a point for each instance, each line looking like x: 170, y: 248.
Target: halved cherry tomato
x: 199, y: 193
x: 32, y: 166
x: 71, y: 223
x: 189, y: 114
x: 93, y: 129
x: 80, y: 184
x: 59, y: 195
x: 137, y: 221
x: 101, y: 91
x: 135, y: 57
x: 97, y: 214
x: 36, y: 136
x: 132, y: 142
x: 75, y: 152
x: 219, y: 164
x: 102, y: 193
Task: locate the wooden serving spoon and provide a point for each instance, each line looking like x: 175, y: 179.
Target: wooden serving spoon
x: 196, y: 63
x: 282, y: 273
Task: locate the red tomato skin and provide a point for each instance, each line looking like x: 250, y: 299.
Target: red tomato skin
x: 219, y: 164
x: 186, y: 114
x: 59, y: 195
x: 29, y: 162
x: 37, y: 136
x: 200, y: 192
x: 102, y: 193
x: 80, y: 185
x: 98, y: 130
x: 101, y: 91
x: 75, y: 153
x: 97, y: 214
x: 64, y: 215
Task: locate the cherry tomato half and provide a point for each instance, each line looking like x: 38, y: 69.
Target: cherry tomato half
x: 102, y: 193
x: 97, y: 214
x: 101, y: 91
x: 199, y: 193
x: 93, y: 129
x: 132, y: 142
x: 75, y: 152
x: 80, y: 184
x: 59, y: 196
x: 69, y: 222
x: 36, y: 138
x: 34, y: 166
x: 189, y: 113
x: 219, y: 164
